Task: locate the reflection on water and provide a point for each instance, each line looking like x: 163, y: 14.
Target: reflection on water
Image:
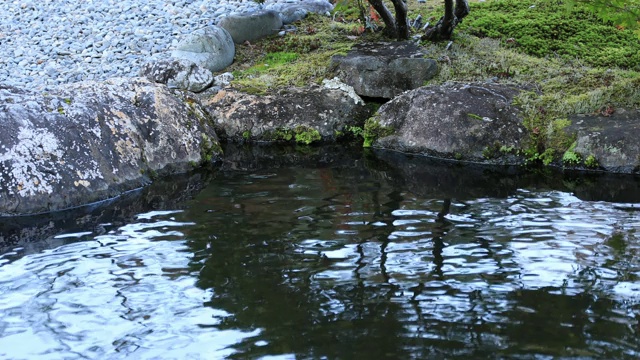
x: 386, y: 257
x: 129, y: 291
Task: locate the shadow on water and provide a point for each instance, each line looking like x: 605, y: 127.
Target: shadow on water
x: 32, y: 234
x: 332, y: 252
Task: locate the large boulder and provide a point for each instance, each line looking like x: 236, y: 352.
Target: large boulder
x: 384, y: 70
x: 303, y: 115
x: 251, y: 26
x: 473, y: 122
x: 211, y: 48
x: 178, y: 74
x: 91, y: 141
x: 611, y: 141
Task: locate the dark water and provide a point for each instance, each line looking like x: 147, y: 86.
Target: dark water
x: 313, y: 254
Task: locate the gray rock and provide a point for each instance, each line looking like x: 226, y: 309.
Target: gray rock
x: 223, y: 79
x: 310, y: 6
x: 292, y: 14
x: 473, y: 122
x: 211, y: 48
x: 384, y: 70
x: 90, y: 141
x: 611, y: 140
x: 253, y: 26
x: 178, y: 74
x: 328, y: 110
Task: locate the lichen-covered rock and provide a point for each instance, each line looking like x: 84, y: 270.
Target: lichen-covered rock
x: 91, y: 141
x: 384, y: 70
x: 252, y: 26
x: 211, y: 48
x: 223, y: 79
x: 303, y: 115
x: 607, y: 142
x: 473, y: 122
x: 178, y: 74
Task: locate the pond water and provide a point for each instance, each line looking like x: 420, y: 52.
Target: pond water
x: 331, y: 253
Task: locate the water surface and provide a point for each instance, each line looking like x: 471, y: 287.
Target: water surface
x: 321, y: 254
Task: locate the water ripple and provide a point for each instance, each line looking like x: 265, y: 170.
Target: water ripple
x: 112, y: 297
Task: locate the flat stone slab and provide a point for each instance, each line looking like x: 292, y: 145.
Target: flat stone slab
x: 385, y: 69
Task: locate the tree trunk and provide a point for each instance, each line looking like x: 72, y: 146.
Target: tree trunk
x: 443, y: 30
x: 385, y: 14
x: 402, y: 25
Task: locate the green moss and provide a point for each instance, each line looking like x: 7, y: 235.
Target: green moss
x: 474, y: 116
x: 209, y: 149
x: 305, y: 135
x: 547, y: 156
x: 556, y: 137
x: 373, y: 131
x: 552, y: 29
x: 570, y: 157
x: 560, y: 85
x: 61, y: 110
x: 246, y: 134
x: 494, y: 150
x: 488, y: 152
x: 457, y: 156
x: 298, y: 59
x: 591, y: 162
x: 280, y: 134
x: 356, y: 131
x: 507, y: 149
x: 532, y: 156
x: 347, y: 8
x: 67, y: 101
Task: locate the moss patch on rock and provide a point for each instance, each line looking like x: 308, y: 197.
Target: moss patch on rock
x: 306, y: 136
x: 302, y: 135
x: 373, y: 130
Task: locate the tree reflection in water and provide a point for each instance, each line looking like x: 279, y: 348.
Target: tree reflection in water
x: 397, y: 260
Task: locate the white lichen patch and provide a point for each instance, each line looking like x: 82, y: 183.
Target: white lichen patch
x: 335, y: 83
x: 90, y: 172
x: 95, y: 130
x: 30, y: 161
x: 84, y: 183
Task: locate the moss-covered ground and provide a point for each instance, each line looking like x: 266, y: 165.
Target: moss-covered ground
x: 568, y: 59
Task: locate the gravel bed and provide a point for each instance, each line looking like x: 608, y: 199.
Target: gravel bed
x: 52, y: 42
